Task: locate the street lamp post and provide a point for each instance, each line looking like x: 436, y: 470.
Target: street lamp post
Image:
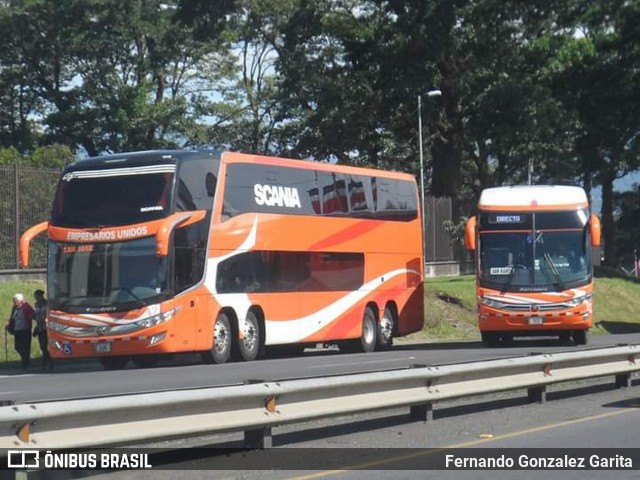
x: 430, y: 93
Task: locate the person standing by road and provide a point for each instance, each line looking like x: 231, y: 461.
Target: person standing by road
x: 40, y: 309
x: 19, y: 325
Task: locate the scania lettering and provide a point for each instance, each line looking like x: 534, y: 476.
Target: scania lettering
x: 225, y: 253
x: 274, y: 195
x: 532, y: 249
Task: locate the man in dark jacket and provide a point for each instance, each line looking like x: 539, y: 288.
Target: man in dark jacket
x: 40, y: 309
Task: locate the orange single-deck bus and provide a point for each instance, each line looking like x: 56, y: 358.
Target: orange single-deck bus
x: 533, y: 262
x: 227, y: 253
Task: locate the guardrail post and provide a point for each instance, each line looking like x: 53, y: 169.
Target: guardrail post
x: 623, y: 380
x: 537, y: 394
x: 258, y: 439
x: 422, y: 413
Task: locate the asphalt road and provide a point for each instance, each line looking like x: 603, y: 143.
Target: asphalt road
x: 87, y: 379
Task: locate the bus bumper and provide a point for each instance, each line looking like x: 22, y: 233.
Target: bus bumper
x: 534, y: 324
x: 70, y: 347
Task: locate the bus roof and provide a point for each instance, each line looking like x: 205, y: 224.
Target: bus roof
x: 153, y: 156
x: 235, y: 157
x: 533, y: 197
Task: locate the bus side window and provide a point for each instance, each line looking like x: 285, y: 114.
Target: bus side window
x: 195, y: 182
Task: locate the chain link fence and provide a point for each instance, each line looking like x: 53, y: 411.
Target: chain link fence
x: 26, y: 194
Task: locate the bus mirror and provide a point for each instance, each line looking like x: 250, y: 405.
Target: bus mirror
x: 210, y: 184
x: 25, y: 241
x: 470, y: 234
x: 595, y: 230
x: 177, y: 220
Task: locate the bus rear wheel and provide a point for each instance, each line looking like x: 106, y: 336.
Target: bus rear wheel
x: 250, y: 341
x: 580, y: 337
x: 222, y: 341
x: 367, y: 341
x: 114, y: 363
x: 384, y: 337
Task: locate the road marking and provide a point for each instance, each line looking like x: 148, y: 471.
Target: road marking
x: 361, y: 363
x: 471, y: 443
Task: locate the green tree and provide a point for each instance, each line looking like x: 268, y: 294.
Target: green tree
x: 19, y: 101
x: 114, y: 74
x: 598, y: 77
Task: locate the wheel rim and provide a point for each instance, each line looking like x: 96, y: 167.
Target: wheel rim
x: 249, y: 337
x: 386, y: 327
x: 221, y: 337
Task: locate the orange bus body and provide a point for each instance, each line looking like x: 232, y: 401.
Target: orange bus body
x: 534, y: 276
x: 295, y: 264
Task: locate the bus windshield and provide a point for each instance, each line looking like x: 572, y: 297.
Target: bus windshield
x: 96, y: 199
x: 540, y: 261
x: 106, y: 276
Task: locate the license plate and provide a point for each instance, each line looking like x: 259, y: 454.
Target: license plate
x: 103, y: 347
x: 536, y: 320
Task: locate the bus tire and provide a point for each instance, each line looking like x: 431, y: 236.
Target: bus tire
x: 144, y: 361
x: 250, y: 340
x: 580, y: 337
x: 386, y: 327
x: 114, y: 363
x: 222, y: 341
x: 490, y: 339
x: 368, y: 339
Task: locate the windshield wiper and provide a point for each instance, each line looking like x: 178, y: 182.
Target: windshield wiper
x: 141, y: 302
x: 67, y: 300
x: 549, y: 261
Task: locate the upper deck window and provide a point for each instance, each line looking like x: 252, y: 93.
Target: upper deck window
x: 254, y: 188
x: 115, y: 196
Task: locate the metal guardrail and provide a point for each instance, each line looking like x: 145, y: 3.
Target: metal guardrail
x: 256, y: 407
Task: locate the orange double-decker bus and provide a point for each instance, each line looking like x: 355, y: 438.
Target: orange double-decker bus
x: 227, y: 254
x: 533, y: 262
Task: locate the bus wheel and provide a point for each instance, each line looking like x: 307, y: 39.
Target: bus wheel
x: 250, y: 338
x: 222, y: 340
x: 144, y: 361
x: 580, y: 337
x: 114, y: 363
x: 490, y: 339
x: 369, y: 331
x: 384, y: 337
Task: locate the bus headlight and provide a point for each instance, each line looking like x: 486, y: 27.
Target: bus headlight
x: 578, y: 300
x: 156, y: 319
x: 56, y: 327
x: 489, y: 302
